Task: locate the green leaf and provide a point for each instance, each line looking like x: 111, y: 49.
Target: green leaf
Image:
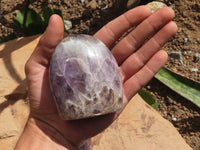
x: 34, y: 22
x: 183, y: 86
x: 47, y: 14
x: 33, y: 18
x: 148, y: 98
x: 20, y: 17
x: 35, y: 28
x: 58, y: 12
x: 18, y: 25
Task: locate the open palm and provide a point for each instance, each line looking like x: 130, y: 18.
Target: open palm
x: 138, y: 55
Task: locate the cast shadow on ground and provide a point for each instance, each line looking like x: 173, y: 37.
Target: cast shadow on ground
x: 14, y: 96
x: 6, y: 57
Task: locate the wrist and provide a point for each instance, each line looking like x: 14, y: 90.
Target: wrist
x: 39, y: 135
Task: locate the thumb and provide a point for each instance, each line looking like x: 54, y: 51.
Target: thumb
x: 54, y: 32
x: 48, y: 42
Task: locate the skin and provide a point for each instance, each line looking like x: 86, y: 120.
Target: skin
x: 138, y: 54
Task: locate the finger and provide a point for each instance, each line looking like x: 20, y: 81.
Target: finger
x: 48, y: 42
x: 137, y: 60
x: 142, y: 77
x: 137, y: 37
x: 111, y: 32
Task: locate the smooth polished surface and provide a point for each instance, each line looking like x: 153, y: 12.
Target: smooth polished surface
x: 85, y: 78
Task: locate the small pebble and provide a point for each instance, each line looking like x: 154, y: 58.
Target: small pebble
x: 68, y: 24
x: 194, y: 70
x: 177, y: 56
x: 196, y: 57
x: 148, y: 87
x: 104, y: 8
x: 154, y: 6
x: 185, y: 40
x: 174, y: 119
x: 185, y: 52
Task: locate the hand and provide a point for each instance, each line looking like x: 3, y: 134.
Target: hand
x: 138, y: 55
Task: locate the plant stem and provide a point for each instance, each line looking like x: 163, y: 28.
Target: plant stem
x: 25, y: 13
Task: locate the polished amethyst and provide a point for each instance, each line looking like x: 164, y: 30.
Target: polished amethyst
x: 85, y: 78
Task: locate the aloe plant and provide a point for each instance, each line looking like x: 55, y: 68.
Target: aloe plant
x: 29, y: 22
x: 148, y: 98
x: 183, y: 86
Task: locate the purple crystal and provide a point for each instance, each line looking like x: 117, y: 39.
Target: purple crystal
x: 85, y: 78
